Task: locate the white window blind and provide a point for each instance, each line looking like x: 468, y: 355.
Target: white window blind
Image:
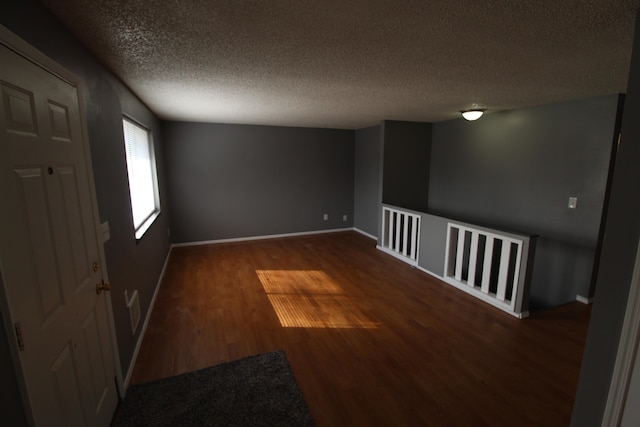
x: 143, y: 183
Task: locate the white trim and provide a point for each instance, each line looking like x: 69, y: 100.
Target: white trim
x: 159, y: 283
x: 130, y: 127
x: 455, y: 252
x: 466, y: 289
x: 364, y: 233
x: 134, y: 357
x: 401, y: 257
x: 396, y: 219
x: 486, y: 298
x: 584, y: 300
x: 24, y: 49
x: 627, y: 349
x: 271, y: 236
x: 430, y: 273
x: 7, y: 320
x: 139, y: 232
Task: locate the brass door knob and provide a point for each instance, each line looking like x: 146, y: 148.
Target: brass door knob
x: 101, y: 286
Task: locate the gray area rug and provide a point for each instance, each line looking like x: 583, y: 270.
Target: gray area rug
x: 255, y: 391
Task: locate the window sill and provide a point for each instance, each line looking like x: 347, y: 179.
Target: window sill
x: 146, y: 225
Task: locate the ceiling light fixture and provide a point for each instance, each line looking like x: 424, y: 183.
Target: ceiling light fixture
x: 472, y: 114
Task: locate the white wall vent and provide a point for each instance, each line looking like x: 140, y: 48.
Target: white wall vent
x: 133, y: 304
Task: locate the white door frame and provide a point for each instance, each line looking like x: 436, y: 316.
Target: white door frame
x: 627, y: 350
x: 15, y: 43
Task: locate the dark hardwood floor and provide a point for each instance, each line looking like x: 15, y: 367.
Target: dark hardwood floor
x: 371, y: 340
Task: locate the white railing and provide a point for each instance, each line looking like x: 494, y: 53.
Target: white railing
x: 490, y: 265
x: 401, y: 234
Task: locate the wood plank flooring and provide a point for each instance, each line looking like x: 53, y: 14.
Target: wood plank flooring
x: 370, y: 340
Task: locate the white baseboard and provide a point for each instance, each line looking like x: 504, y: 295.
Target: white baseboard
x: 584, y: 300
x: 364, y: 233
x: 143, y: 330
x: 465, y: 289
x: 270, y: 236
x: 397, y: 256
x: 424, y: 270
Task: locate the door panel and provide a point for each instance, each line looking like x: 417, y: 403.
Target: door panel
x: 20, y: 112
x: 73, y: 222
x: 32, y: 193
x: 65, y: 385
x: 48, y: 246
x: 92, y: 347
x: 59, y: 119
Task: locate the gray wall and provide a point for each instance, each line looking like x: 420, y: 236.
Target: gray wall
x: 622, y: 231
x: 130, y: 265
x: 516, y: 170
x: 367, y: 194
x: 11, y: 408
x: 433, y: 242
x: 231, y: 181
x: 405, y: 176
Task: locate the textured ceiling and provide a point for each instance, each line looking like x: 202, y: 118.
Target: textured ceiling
x: 351, y: 63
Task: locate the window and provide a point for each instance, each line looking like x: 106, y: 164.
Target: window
x: 143, y: 181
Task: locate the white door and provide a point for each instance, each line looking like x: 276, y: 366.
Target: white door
x: 630, y: 355
x: 49, y: 254
x: 631, y: 411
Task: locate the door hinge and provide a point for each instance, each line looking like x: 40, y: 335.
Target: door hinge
x: 19, y: 337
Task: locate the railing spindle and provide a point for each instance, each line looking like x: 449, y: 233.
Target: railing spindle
x: 401, y: 231
x: 500, y: 272
x: 391, y: 220
x: 414, y: 237
x: 516, y: 272
x: 396, y: 246
x: 460, y: 255
x: 401, y: 238
x: 405, y: 235
x: 486, y: 269
x: 473, y: 259
x: 504, y: 270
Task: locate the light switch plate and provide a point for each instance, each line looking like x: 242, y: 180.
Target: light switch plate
x: 573, y: 202
x: 104, y: 229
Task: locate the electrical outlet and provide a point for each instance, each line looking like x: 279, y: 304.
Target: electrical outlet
x: 325, y: 217
x: 344, y: 217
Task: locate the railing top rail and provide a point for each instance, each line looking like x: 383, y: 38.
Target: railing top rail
x: 512, y: 238
x: 515, y: 234
x: 401, y: 209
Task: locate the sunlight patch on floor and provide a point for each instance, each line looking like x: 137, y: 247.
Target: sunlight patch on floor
x: 310, y: 299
